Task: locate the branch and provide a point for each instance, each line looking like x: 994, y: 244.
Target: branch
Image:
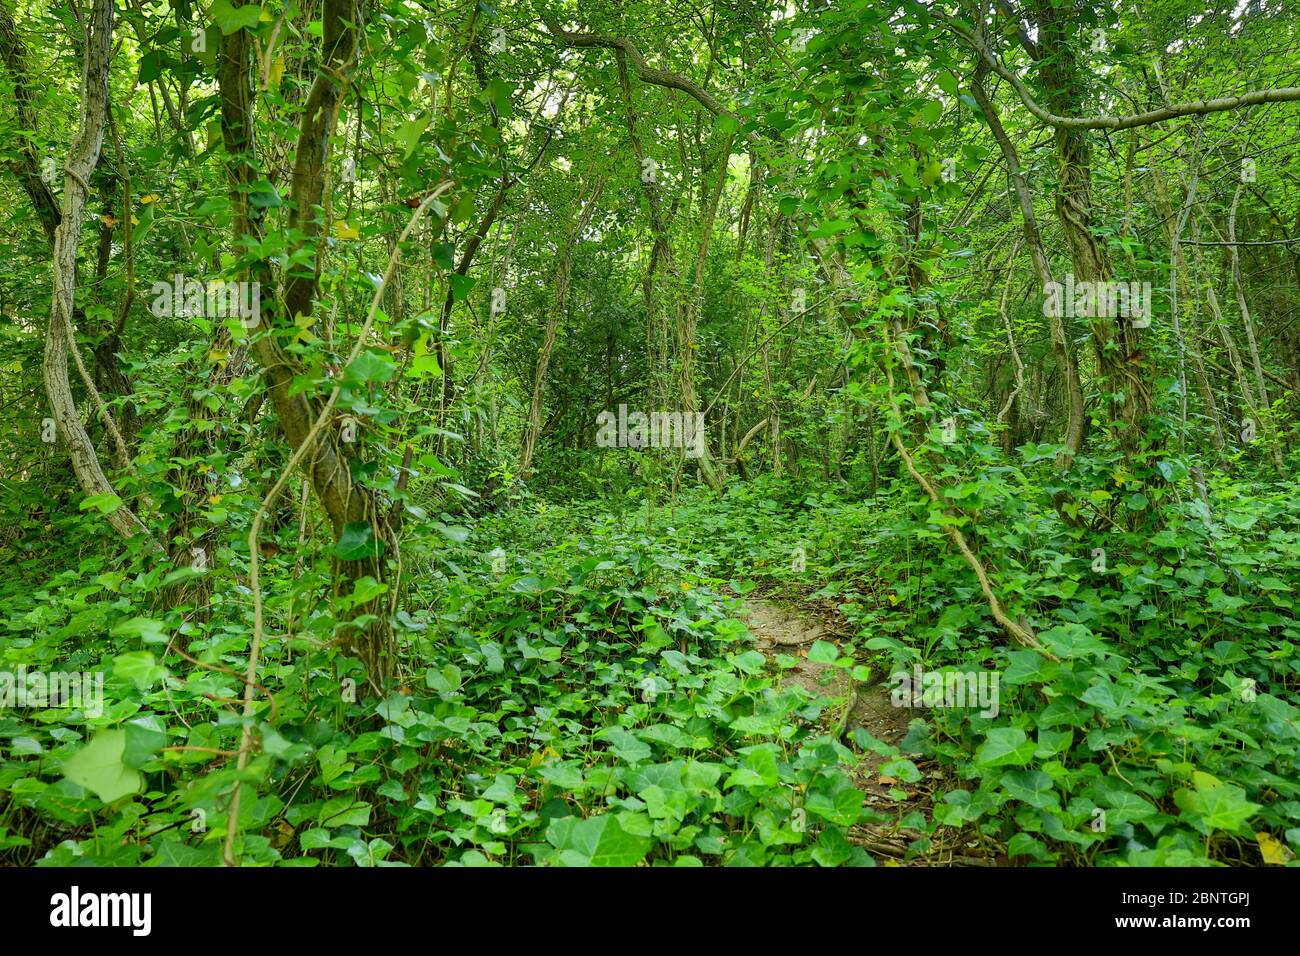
x: 1284, y: 94
x: 644, y: 71
x: 60, y: 338
x: 1241, y: 242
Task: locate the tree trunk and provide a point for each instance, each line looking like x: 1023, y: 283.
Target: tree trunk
x: 82, y: 160
x: 1062, y: 339
x: 1122, y: 364
x: 559, y: 304
x: 326, y: 464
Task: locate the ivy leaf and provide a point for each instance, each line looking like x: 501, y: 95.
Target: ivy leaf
x: 344, y: 812
x: 369, y: 366
x: 499, y: 92
x: 262, y: 195
x: 424, y: 362
x: 597, y: 841
x: 357, y: 541
x: 1215, y: 805
x: 835, y: 799
x: 230, y: 18
x: 144, y: 222
x: 99, y: 767
x: 901, y: 769
x: 145, y: 736
x: 823, y: 652
x: 1172, y: 470
x: 1030, y: 786
x: 1073, y: 640
x: 147, y: 629
x: 460, y: 285
x: 139, y: 667
x: 750, y: 662
x: 628, y: 748
x: 1003, y: 746
x: 105, y: 504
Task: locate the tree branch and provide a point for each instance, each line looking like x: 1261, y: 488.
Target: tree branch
x: 644, y: 71
x: 1284, y: 94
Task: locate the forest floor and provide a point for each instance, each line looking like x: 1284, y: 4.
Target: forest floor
x: 780, y: 629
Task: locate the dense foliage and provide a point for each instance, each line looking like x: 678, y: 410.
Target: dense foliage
x: 333, y: 335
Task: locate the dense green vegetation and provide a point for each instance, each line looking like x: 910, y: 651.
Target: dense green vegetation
x: 352, y: 355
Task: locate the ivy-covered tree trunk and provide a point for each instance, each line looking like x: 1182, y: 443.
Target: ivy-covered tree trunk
x: 82, y: 159
x: 1124, y: 366
x: 351, y: 507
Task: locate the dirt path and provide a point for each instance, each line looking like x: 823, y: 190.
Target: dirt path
x: 778, y: 631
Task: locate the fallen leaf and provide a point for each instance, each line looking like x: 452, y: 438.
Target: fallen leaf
x: 1275, y: 853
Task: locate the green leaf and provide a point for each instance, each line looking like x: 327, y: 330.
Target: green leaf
x: 344, y: 812
x: 444, y: 681
x: 425, y: 362
x: 141, y: 229
x: 105, y: 504
x: 597, y: 841
x: 1073, y: 640
x: 139, y: 667
x: 832, y: 849
x: 100, y: 768
x: 929, y: 114
x: 1214, y: 805
x: 759, y: 769
x: 230, y: 18
x: 750, y: 662
x: 629, y: 748
x: 356, y: 542
x: 151, y: 66
x: 901, y: 768
x: 1030, y: 786
x: 836, y: 799
x: 263, y: 195
x: 823, y: 652
x: 408, y: 134
x: 1003, y: 746
x: 460, y: 285
x: 370, y: 366
x: 499, y: 92
x: 145, y: 628
x: 1172, y: 470
x: 145, y: 736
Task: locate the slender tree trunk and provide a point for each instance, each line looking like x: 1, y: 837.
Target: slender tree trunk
x: 1234, y: 258
x: 689, y: 327
x: 559, y: 305
x: 83, y: 157
x: 326, y: 464
x: 1062, y: 338
x: 1122, y: 363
